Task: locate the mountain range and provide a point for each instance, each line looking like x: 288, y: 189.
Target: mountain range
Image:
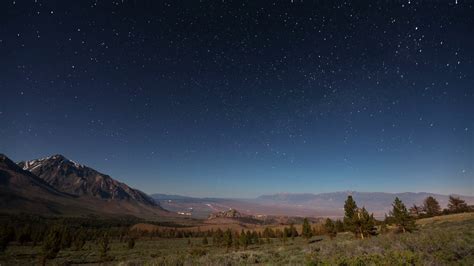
x: 58, y: 186
x: 300, y: 204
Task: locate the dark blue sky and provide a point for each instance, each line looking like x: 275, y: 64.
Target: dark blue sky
x: 238, y: 99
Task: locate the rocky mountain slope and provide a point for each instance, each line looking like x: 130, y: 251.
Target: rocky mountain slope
x: 58, y: 186
x: 76, y: 179
x: 22, y: 191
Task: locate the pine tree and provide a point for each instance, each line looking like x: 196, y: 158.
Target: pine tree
x: 66, y: 237
x: 104, y: 245
x: 79, y: 240
x: 25, y: 235
x: 415, y: 210
x: 217, y: 237
x: 457, y: 205
x: 243, y: 239
x: 306, y: 231
x: 350, y: 210
x: 228, y: 238
x: 268, y: 232
x: 6, y: 236
x: 401, y: 217
x: 236, y: 240
x: 339, y: 226
x: 292, y: 231
x: 330, y: 228
x: 363, y: 223
x: 51, y: 245
x: 431, y: 206
x: 131, y: 243
x: 383, y: 228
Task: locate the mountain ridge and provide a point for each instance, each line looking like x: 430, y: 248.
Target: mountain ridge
x: 77, y: 179
x: 22, y: 191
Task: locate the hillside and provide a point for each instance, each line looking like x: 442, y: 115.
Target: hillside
x: 76, y: 179
x: 57, y: 186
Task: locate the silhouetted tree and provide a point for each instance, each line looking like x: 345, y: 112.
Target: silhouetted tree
x: 218, y: 237
x: 330, y: 228
x: 51, y: 245
x: 415, y: 210
x: 401, y: 217
x: 3, y: 239
x: 268, y: 232
x: 24, y: 236
x: 292, y: 231
x: 383, y: 227
x: 306, y: 231
x: 243, y: 239
x: 66, y: 237
x: 104, y: 245
x: 350, y: 210
x: 457, y: 205
x: 358, y: 220
x: 7, y: 234
x: 79, y: 240
x: 431, y: 206
x: 365, y: 223
x: 339, y: 226
x: 131, y: 242
x: 228, y: 238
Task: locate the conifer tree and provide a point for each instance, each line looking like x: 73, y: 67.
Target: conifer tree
x: 383, y: 228
x: 350, y: 210
x: 228, y: 238
x: 368, y: 223
x: 131, y: 243
x: 236, y: 240
x: 306, y: 231
x: 24, y: 235
x: 339, y: 226
x: 243, y: 239
x: 79, y: 240
x: 330, y: 228
x: 104, y: 245
x: 6, y: 236
x: 457, y: 205
x: 415, y: 210
x: 51, y: 245
x: 292, y: 231
x: 431, y: 206
x: 401, y: 217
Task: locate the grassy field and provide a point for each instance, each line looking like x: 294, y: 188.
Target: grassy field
x: 445, y: 240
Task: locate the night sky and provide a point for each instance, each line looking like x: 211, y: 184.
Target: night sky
x: 239, y: 99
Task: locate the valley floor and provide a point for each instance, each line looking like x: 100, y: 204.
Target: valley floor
x: 445, y: 240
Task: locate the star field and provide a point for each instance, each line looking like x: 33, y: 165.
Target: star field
x: 232, y: 98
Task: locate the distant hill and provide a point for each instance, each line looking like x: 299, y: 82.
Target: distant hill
x: 377, y: 202
x: 58, y: 186
x: 300, y: 204
x: 158, y: 196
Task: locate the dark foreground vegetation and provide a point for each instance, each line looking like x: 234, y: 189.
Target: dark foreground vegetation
x: 358, y: 239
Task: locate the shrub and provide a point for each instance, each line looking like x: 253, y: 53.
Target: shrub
x: 131, y: 243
